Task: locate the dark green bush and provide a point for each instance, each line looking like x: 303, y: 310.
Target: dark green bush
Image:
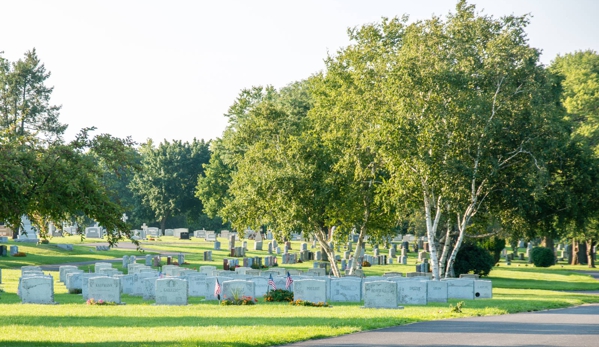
x: 473, y: 259
x: 494, y: 245
x: 542, y: 257
x: 279, y: 295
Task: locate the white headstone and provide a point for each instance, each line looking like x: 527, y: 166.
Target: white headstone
x: 37, y: 290
x: 412, y: 292
x: 346, y: 289
x: 171, y: 291
x: 460, y: 289
x: 380, y: 294
x: 310, y: 290
x: 437, y: 291
x: 483, y: 289
x: 104, y: 288
x: 238, y: 288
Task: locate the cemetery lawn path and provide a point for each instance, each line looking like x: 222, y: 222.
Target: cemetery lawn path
x: 567, y: 327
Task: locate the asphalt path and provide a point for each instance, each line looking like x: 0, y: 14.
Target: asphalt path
x: 569, y: 327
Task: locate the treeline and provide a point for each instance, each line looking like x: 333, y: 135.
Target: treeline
x: 450, y: 123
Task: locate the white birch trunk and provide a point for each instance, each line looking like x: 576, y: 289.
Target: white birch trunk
x: 431, y: 229
x: 446, y: 247
x: 357, y: 252
x: 321, y: 236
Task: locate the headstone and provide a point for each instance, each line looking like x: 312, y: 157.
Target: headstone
x: 171, y: 291
x: 93, y: 232
x: 169, y: 232
x: 36, y: 290
x: 238, y: 288
x: 380, y: 294
x: 270, y: 248
x: 148, y: 286
x: 483, y: 289
x: 346, y: 289
x: 14, y: 250
x: 104, y: 288
x: 412, y: 292
x: 125, y: 261
x: 216, y: 245
x: 148, y: 260
x: 310, y: 290
x: 257, y: 245
x: 460, y: 289
x: 3, y: 251
x: 436, y: 291
x: 181, y: 259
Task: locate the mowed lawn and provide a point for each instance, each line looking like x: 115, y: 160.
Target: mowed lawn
x: 204, y: 323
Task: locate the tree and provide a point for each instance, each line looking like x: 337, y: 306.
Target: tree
x: 168, y: 176
x: 579, y: 73
x: 460, y: 109
x: 25, y: 98
x: 53, y: 181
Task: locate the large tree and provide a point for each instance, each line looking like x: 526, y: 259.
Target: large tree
x: 25, y: 98
x: 460, y: 108
x: 167, y: 178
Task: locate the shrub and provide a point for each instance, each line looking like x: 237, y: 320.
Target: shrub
x: 542, y: 257
x: 365, y: 264
x: 279, y: 295
x: 309, y: 303
x: 45, y: 241
x: 494, y: 245
x: 475, y: 259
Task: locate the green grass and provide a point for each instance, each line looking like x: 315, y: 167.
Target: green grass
x: 205, y: 323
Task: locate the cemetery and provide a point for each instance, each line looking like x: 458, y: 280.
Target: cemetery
x: 140, y: 285
x: 428, y: 171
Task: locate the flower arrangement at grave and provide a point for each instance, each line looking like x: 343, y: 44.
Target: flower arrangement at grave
x: 238, y: 299
x: 279, y: 295
x: 100, y: 302
x: 309, y: 303
x: 20, y: 254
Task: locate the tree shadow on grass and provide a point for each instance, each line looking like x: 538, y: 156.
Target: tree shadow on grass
x: 8, y: 343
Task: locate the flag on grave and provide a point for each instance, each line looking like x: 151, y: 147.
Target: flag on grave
x: 288, y: 281
x: 271, y: 283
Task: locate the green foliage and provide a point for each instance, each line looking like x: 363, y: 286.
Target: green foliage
x: 279, y: 295
x: 543, y: 257
x: 308, y: 303
x: 473, y: 259
x: 494, y: 245
x: 168, y: 176
x: 457, y: 308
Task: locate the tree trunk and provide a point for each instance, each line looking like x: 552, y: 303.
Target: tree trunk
x: 321, y: 237
x: 590, y: 253
x: 431, y: 229
x: 354, y: 265
x: 574, y: 252
x: 162, y: 225
x: 547, y: 242
x: 446, y: 246
x: 582, y: 253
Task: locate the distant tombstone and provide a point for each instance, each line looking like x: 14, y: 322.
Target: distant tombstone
x: 258, y: 245
x: 216, y: 245
x: 3, y: 251
x: 258, y: 237
x: 346, y: 289
x: 181, y: 258
x: 14, y: 250
x: 278, y: 250
x: 171, y: 291
x: 412, y: 292
x: 483, y: 289
x: 270, y: 248
x: 148, y: 261
x: 436, y: 291
x: 62, y: 271
x: 93, y: 233
x: 184, y: 236
x: 104, y: 288
x: 197, y: 286
x: 310, y: 290
x: 36, y: 290
x: 154, y: 232
x: 380, y: 294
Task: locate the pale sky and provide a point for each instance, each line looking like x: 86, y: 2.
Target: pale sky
x: 171, y: 69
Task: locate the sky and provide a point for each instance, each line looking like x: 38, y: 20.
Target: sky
x: 171, y: 69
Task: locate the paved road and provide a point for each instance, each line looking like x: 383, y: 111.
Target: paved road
x: 570, y: 327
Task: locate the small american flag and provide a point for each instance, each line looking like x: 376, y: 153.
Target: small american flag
x: 288, y: 281
x: 217, y: 290
x: 271, y: 283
